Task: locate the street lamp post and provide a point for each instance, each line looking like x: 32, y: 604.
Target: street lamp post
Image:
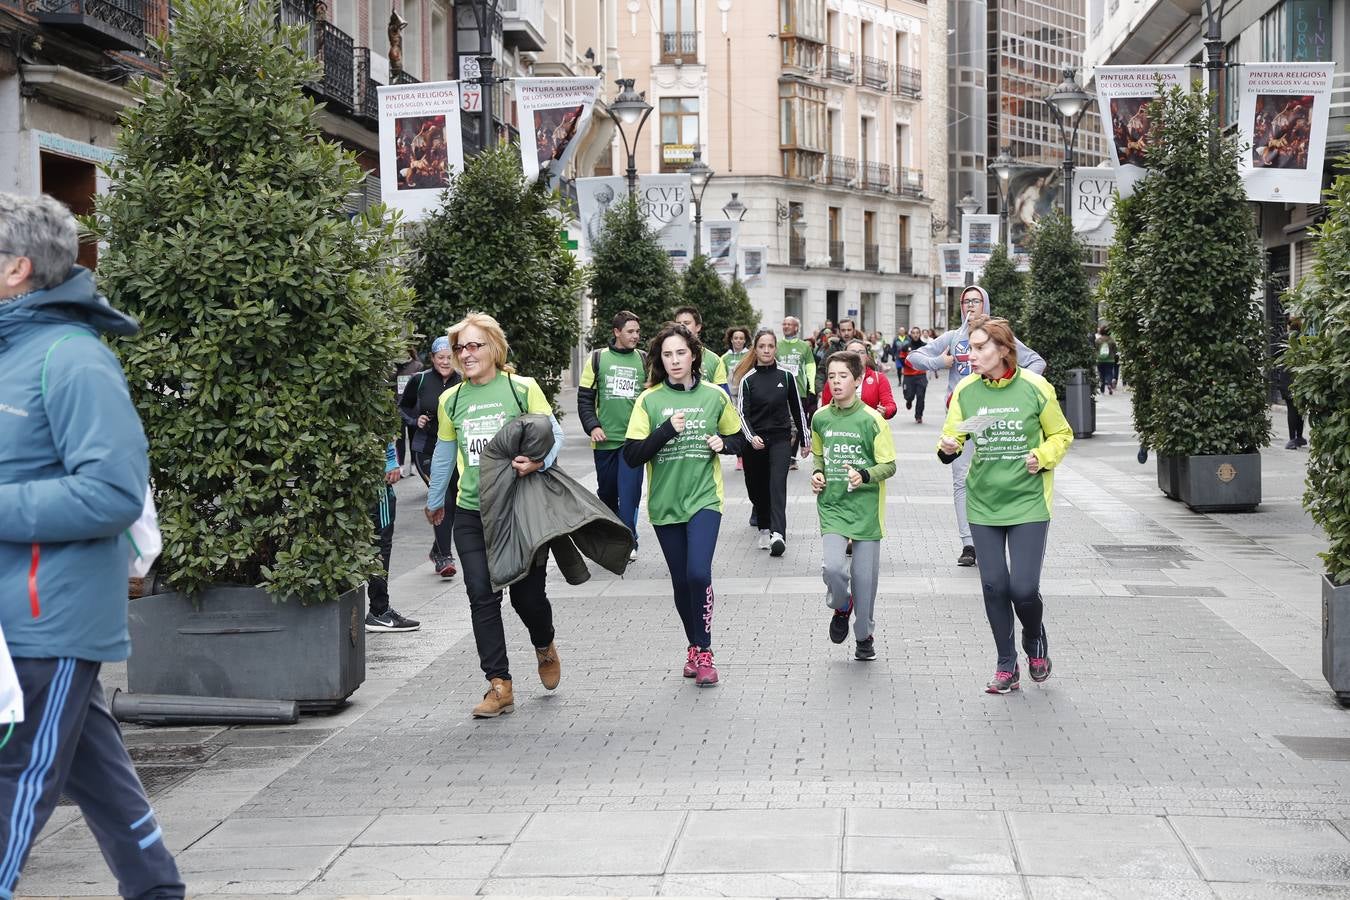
x: 699, y: 176
x: 1003, y: 165
x: 630, y: 110
x: 1212, y: 12
x: 734, y: 208
x: 968, y: 206
x: 1069, y: 101
x: 485, y: 17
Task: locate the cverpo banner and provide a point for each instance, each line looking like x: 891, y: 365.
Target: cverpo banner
x: 555, y: 114
x: 663, y: 199
x: 420, y: 145
x: 949, y: 256
x: 1282, y: 114
x: 978, y: 236
x: 1123, y: 95
x: 1094, y: 198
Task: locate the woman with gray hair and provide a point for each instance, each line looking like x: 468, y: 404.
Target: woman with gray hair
x: 73, y: 476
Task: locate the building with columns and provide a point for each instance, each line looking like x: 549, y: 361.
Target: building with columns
x: 826, y: 119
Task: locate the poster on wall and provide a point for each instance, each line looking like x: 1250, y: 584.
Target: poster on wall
x: 949, y: 256
x: 555, y: 114
x: 1094, y: 198
x: 1123, y: 95
x: 719, y: 242
x: 978, y: 235
x: 1033, y: 191
x: 1282, y: 117
x: 420, y: 145
x: 663, y: 200
x: 752, y: 265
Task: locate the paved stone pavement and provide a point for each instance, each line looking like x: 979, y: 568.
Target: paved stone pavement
x: 1185, y: 747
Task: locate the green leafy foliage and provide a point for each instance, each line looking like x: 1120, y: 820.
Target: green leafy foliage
x: 739, y: 309
x: 1321, y: 379
x: 630, y: 270
x: 495, y: 246
x: 1122, y: 305
x: 720, y: 304
x: 1006, y: 286
x: 1059, y: 318
x: 1194, y: 265
x: 270, y: 321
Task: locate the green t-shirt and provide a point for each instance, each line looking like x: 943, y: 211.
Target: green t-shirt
x: 616, y: 388
x: 795, y: 356
x: 859, y: 437
x: 685, y: 476
x: 472, y: 414
x: 732, y: 358
x: 714, y: 370
x: 1026, y: 418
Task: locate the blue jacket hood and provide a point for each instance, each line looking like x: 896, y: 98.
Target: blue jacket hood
x: 75, y: 300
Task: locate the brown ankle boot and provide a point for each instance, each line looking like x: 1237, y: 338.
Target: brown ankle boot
x: 496, y: 701
x: 550, y: 666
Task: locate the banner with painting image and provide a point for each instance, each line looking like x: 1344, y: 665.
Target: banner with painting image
x: 1033, y: 191
x: 1282, y: 119
x: 555, y: 114
x: 752, y: 265
x: 1123, y: 96
x: 420, y: 145
x: 979, y: 233
x: 719, y: 242
x: 949, y: 256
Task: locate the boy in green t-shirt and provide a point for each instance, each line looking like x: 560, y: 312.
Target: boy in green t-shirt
x: 853, y: 455
x: 713, y: 370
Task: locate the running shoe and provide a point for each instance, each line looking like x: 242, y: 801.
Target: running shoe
x: 776, y: 544
x: 632, y: 555
x: 390, y: 621
x: 1004, y: 682
x: 1302, y: 441
x: 1142, y: 455
x: 909, y: 404
x: 967, y: 557
x: 865, y: 651
x: 918, y: 420
x: 1292, y: 444
x: 691, y: 662
x: 1039, y: 667
x: 445, y: 566
x: 839, y: 621
x: 764, y: 539
x: 706, y: 673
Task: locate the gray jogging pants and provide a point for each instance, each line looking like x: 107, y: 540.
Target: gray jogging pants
x: 856, y: 575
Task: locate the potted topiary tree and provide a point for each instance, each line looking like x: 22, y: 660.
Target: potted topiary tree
x: 1058, y: 320
x: 630, y: 270
x: 1195, y: 266
x: 1321, y: 387
x: 269, y: 325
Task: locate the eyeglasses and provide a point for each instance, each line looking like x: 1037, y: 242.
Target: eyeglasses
x: 471, y: 346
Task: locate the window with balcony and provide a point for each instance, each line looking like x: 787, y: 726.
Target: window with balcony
x: 679, y: 31
x: 801, y: 116
x: 796, y: 234
x: 871, y: 250
x: 344, y: 15
x: 905, y: 258
x: 800, y: 57
x: 412, y: 38
x: 802, y: 18
x: 679, y: 132
x: 379, y: 26
x: 794, y: 303
x: 836, y: 234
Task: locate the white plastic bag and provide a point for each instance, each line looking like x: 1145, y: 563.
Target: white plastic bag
x: 11, y: 694
x: 144, y: 538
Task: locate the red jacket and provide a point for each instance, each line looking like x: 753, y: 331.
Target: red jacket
x: 876, y: 393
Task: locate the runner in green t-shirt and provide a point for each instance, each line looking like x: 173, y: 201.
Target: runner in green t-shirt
x: 713, y: 370
x: 679, y: 425
x: 470, y: 414
x: 610, y: 382
x: 852, y: 454
x: 738, y: 348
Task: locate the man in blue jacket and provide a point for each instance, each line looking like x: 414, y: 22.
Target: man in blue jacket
x: 73, y: 477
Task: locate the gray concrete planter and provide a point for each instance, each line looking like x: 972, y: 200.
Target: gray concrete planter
x: 1336, y: 638
x: 1225, y: 483
x: 1169, y: 476
x: 238, y: 642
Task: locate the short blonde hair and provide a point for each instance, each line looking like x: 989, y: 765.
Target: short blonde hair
x: 496, y: 339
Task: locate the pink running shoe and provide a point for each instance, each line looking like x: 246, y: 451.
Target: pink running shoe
x: 1040, y: 668
x: 706, y: 676
x: 1004, y: 682
x: 691, y: 662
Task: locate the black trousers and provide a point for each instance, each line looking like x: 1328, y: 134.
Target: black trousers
x: 383, y: 518
x: 766, y: 481
x: 441, y: 534
x: 529, y: 598
x: 1292, y: 415
x: 915, y: 389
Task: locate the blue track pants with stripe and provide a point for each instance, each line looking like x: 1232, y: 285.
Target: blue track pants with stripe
x: 68, y: 743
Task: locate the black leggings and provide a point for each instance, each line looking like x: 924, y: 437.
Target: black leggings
x: 441, y: 534
x: 766, y: 481
x: 1293, y: 416
x: 1010, y: 559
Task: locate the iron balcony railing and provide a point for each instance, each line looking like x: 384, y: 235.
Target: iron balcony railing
x: 908, y: 81
x: 839, y: 64
x: 840, y: 170
x: 403, y: 78
x: 113, y: 24
x: 875, y: 73
x: 909, y: 182
x: 836, y: 254
x: 797, y: 249
x: 681, y: 45
x: 336, y: 52
x: 366, y: 102
x: 871, y: 257
x: 876, y: 176
x: 905, y: 265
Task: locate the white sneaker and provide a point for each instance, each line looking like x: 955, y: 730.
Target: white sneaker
x: 764, y: 539
x: 777, y: 545
x: 632, y: 556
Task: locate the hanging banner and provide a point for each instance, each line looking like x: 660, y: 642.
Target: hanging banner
x: 663, y: 200
x: 1123, y: 95
x: 719, y: 241
x: 555, y: 114
x: 978, y: 236
x: 950, y: 257
x: 752, y: 265
x: 1282, y: 114
x: 420, y: 145
x: 1094, y: 198
x: 1033, y: 191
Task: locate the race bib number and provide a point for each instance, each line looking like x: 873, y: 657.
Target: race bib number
x: 624, y: 386
x: 478, y: 433
x: 403, y: 383
x: 791, y: 368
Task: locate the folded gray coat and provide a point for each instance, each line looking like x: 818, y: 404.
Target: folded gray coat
x: 525, y: 518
